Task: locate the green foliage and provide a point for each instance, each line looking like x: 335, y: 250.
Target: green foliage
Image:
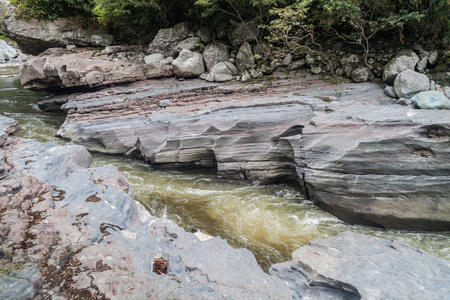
x: 287, y: 21
x: 51, y: 9
x: 297, y: 27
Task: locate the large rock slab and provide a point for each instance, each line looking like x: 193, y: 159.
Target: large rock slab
x: 34, y: 36
x: 356, y: 266
x: 355, y: 153
x: 62, y: 68
x: 91, y: 238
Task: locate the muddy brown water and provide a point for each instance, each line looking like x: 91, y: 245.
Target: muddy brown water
x: 271, y: 221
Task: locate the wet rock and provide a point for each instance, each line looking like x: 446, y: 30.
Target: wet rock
x: 334, y: 268
x: 153, y: 58
x: 188, y: 64
x: 431, y: 100
x: 408, y: 83
x: 7, y: 126
x: 86, y: 229
x: 167, y: 39
x: 244, y: 58
x: 221, y: 72
x: 404, y: 60
x: 215, y: 53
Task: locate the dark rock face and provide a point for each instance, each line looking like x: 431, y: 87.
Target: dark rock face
x: 62, y: 68
x: 355, y: 153
x: 91, y: 238
x: 355, y: 266
x: 34, y: 36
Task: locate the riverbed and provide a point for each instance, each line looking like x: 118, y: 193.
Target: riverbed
x: 271, y: 221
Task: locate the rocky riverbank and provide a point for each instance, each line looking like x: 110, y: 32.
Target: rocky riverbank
x: 353, y: 150
x: 70, y: 231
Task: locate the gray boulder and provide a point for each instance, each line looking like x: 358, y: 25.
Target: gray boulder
x: 189, y: 44
x: 360, y: 74
x: 355, y: 266
x: 244, y: 58
x: 153, y: 58
x: 423, y: 61
x: 215, y: 53
x: 404, y: 60
x: 431, y: 100
x: 244, y: 32
x: 167, y: 39
x: 408, y: 83
x: 188, y: 64
x: 6, y: 51
x: 221, y: 72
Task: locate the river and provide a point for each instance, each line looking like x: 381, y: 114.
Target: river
x: 271, y: 221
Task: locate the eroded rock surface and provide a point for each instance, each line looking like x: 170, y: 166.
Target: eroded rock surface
x: 357, y: 266
x: 91, y: 239
x: 63, y: 68
x: 355, y: 153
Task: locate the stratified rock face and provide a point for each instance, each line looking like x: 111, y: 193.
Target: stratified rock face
x: 62, y: 68
x: 356, y: 154
x: 91, y: 238
x: 34, y: 36
x: 356, y: 266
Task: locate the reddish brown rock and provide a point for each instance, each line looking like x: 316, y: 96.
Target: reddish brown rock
x: 62, y: 68
x: 355, y: 153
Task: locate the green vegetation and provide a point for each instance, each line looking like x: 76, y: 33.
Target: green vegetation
x: 293, y: 25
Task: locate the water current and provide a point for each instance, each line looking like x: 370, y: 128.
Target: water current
x: 271, y: 221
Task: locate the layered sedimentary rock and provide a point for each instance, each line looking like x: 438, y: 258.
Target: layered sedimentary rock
x: 354, y: 152
x: 62, y: 68
x: 357, y: 266
x: 89, y: 237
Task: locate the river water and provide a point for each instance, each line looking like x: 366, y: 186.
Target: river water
x: 271, y: 221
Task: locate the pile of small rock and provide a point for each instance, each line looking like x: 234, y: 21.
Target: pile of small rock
x: 410, y: 86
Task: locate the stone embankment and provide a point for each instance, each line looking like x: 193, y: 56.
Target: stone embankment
x: 70, y: 231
